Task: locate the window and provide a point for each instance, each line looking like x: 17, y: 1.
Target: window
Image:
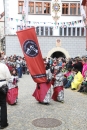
x: 78, y: 9
x: 21, y: 27
x: 42, y: 31
x: 73, y: 31
x: 65, y: 8
x: 69, y: 31
x: 38, y: 7
x: 78, y: 31
x: 50, y: 31
x: 60, y: 31
x: 82, y: 31
x: 72, y: 9
x: 31, y: 7
x: 46, y: 31
x: 18, y: 28
x: 28, y: 26
x: 46, y: 7
x: 37, y: 30
x: 65, y: 31
x: 20, y: 6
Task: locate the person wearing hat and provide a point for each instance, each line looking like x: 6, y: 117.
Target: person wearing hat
x: 58, y: 91
x: 4, y: 77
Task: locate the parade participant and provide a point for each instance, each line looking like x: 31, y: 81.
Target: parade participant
x: 4, y: 77
x: 32, y: 53
x: 43, y: 90
x: 12, y: 94
x: 58, y: 92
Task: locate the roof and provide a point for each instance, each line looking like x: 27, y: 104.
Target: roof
x: 83, y: 2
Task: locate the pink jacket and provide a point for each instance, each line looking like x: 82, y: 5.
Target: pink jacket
x: 84, y: 69
x: 67, y: 74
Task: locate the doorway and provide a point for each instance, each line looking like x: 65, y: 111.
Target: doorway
x: 58, y: 54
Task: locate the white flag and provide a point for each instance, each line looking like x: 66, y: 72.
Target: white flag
x: 25, y: 12
x: 82, y: 9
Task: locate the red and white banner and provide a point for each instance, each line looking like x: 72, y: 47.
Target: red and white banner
x: 32, y: 53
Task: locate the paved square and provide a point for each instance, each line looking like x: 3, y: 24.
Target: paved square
x: 72, y: 113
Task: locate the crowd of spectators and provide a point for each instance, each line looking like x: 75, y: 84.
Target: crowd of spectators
x: 16, y: 62
x: 74, y: 70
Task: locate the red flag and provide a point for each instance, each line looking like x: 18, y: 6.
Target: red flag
x: 84, y: 2
x: 32, y: 53
x: 41, y: 92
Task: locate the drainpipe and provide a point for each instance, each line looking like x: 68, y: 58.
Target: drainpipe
x: 86, y: 25
x: 4, y: 42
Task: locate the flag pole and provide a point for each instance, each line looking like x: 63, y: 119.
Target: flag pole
x: 25, y: 13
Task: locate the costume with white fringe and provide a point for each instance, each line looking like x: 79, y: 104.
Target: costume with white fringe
x: 12, y: 94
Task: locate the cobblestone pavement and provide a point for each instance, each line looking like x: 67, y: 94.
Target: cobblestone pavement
x: 72, y: 113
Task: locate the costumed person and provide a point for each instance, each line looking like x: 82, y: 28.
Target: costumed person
x: 31, y: 50
x: 43, y: 90
x: 4, y: 77
x: 83, y: 87
x: 12, y: 94
x: 78, y: 79
x: 58, y: 91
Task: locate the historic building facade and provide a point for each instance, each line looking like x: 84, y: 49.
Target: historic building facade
x: 53, y: 20
x: 2, y: 30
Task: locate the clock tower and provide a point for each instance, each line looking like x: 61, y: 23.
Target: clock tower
x: 56, y: 13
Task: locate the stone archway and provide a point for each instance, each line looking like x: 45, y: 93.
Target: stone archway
x: 60, y: 50
x: 58, y: 54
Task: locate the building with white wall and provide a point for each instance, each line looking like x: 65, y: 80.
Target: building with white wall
x: 2, y: 29
x: 69, y: 28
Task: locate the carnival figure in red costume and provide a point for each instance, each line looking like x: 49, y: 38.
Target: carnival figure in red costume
x: 58, y: 91
x: 43, y: 90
